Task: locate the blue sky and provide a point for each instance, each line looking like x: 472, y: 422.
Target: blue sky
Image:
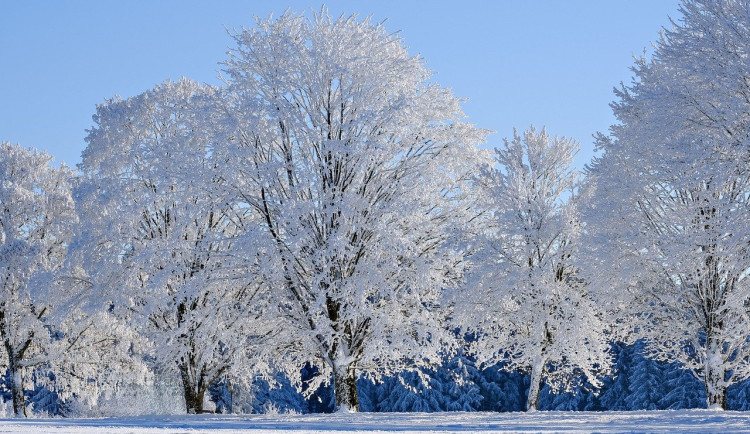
x: 521, y: 62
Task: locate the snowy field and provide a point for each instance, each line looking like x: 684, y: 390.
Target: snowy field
x: 695, y: 421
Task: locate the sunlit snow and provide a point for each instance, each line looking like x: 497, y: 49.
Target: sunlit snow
x: 636, y: 421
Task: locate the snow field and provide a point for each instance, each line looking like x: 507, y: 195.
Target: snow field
x: 703, y: 421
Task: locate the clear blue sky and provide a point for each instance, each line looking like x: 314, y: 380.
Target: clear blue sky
x: 517, y: 62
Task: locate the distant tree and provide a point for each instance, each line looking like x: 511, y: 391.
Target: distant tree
x: 672, y: 196
x: 358, y: 167
x: 44, y: 399
x: 409, y: 392
x: 643, y: 383
x: 528, y: 307
x: 159, y: 236
x: 458, y: 378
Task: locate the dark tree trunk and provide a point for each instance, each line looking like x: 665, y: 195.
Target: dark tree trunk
x: 16, y: 385
x: 193, y: 390
x: 717, y: 399
x: 14, y: 366
x: 345, y: 388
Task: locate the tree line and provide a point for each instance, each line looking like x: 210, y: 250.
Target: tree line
x: 329, y: 207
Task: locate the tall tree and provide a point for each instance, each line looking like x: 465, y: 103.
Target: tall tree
x: 36, y: 214
x: 45, y: 319
x: 527, y: 304
x: 159, y: 233
x: 672, y: 195
x: 358, y: 166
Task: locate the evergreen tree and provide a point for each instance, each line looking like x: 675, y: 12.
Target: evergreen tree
x: 578, y: 398
x: 645, y: 381
x: 43, y: 400
x: 502, y: 390
x: 449, y: 387
x: 738, y: 396
x: 322, y: 399
x: 410, y: 392
x: 458, y: 385
x: 616, y: 388
x: 368, y: 394
x: 278, y: 395
x: 683, y: 390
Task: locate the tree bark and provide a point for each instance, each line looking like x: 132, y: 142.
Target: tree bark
x: 14, y: 366
x: 345, y: 388
x: 193, y: 391
x: 16, y: 386
x: 716, y: 391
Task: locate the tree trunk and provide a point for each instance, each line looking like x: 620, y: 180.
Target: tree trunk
x: 714, y: 374
x: 193, y: 400
x: 16, y: 387
x: 345, y: 388
x: 716, y: 391
x: 193, y: 391
x: 537, y: 374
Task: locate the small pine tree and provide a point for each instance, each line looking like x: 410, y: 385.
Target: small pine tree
x: 449, y: 387
x: 280, y: 397
x: 411, y: 392
x: 580, y: 398
x: 502, y: 390
x: 738, y: 396
x: 645, y: 381
x: 683, y: 390
x: 367, y: 390
x: 43, y: 399
x: 460, y: 391
x: 220, y: 392
x: 615, y: 388
x: 262, y: 396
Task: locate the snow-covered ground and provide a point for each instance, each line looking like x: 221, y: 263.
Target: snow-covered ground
x: 703, y: 421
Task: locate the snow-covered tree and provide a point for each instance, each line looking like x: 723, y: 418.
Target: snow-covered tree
x: 682, y: 389
x: 580, y: 398
x: 158, y: 237
x: 264, y: 395
x: 357, y: 166
x: 614, y: 389
x: 646, y: 381
x: 672, y: 196
x: 36, y: 215
x: 93, y: 354
x: 527, y: 305
x: 501, y: 389
x: 738, y: 396
x: 448, y: 387
x: 46, y: 321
